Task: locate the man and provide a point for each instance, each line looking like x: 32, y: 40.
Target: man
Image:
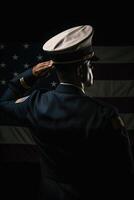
x: 83, y: 143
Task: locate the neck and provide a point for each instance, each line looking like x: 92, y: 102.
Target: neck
x: 74, y: 83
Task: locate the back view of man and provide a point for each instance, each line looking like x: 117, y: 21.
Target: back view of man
x: 83, y: 142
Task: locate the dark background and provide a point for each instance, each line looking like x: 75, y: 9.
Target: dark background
x: 37, y: 21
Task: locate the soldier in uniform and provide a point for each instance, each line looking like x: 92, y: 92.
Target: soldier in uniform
x: 83, y: 143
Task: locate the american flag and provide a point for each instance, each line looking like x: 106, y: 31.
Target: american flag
x: 113, y: 80
x: 16, y: 58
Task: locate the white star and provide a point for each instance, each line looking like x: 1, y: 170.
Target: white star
x: 26, y: 65
x: 3, y: 82
x: 26, y: 46
x: 53, y: 84
x: 39, y: 57
x: 2, y: 46
x: 2, y: 65
x: 15, y: 74
x: 15, y: 57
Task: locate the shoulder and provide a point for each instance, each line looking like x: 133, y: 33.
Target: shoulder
x: 34, y: 96
x: 106, y: 108
x: 112, y: 119
x: 109, y: 113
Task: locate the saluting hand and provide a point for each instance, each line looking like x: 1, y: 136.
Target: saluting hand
x: 42, y: 68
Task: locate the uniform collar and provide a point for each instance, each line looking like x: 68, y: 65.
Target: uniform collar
x: 69, y: 88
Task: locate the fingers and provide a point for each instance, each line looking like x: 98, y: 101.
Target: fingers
x: 45, y: 64
x: 40, y: 67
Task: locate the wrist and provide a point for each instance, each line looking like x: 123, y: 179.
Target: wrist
x: 28, y: 78
x: 34, y: 72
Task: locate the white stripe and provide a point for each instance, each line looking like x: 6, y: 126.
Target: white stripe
x: 110, y: 88
x: 13, y: 134
x: 21, y: 99
x: 114, y: 54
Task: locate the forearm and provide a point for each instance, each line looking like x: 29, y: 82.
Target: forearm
x: 13, y: 106
x: 17, y: 87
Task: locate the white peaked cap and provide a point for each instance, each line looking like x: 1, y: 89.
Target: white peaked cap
x: 70, y: 45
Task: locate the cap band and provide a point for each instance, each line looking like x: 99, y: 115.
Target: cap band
x: 74, y: 61
x: 70, y: 46
x: 71, y: 56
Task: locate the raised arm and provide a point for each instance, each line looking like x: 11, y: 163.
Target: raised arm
x: 14, y: 104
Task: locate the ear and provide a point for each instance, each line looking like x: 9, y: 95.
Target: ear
x: 85, y: 74
x: 90, y: 77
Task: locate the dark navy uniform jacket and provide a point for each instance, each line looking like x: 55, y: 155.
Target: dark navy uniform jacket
x: 80, y: 138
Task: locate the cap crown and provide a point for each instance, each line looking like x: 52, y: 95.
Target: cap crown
x: 68, y: 38
x: 70, y: 45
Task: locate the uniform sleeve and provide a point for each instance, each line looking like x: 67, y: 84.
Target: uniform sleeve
x: 14, y: 105
x: 19, y: 86
x: 19, y: 112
